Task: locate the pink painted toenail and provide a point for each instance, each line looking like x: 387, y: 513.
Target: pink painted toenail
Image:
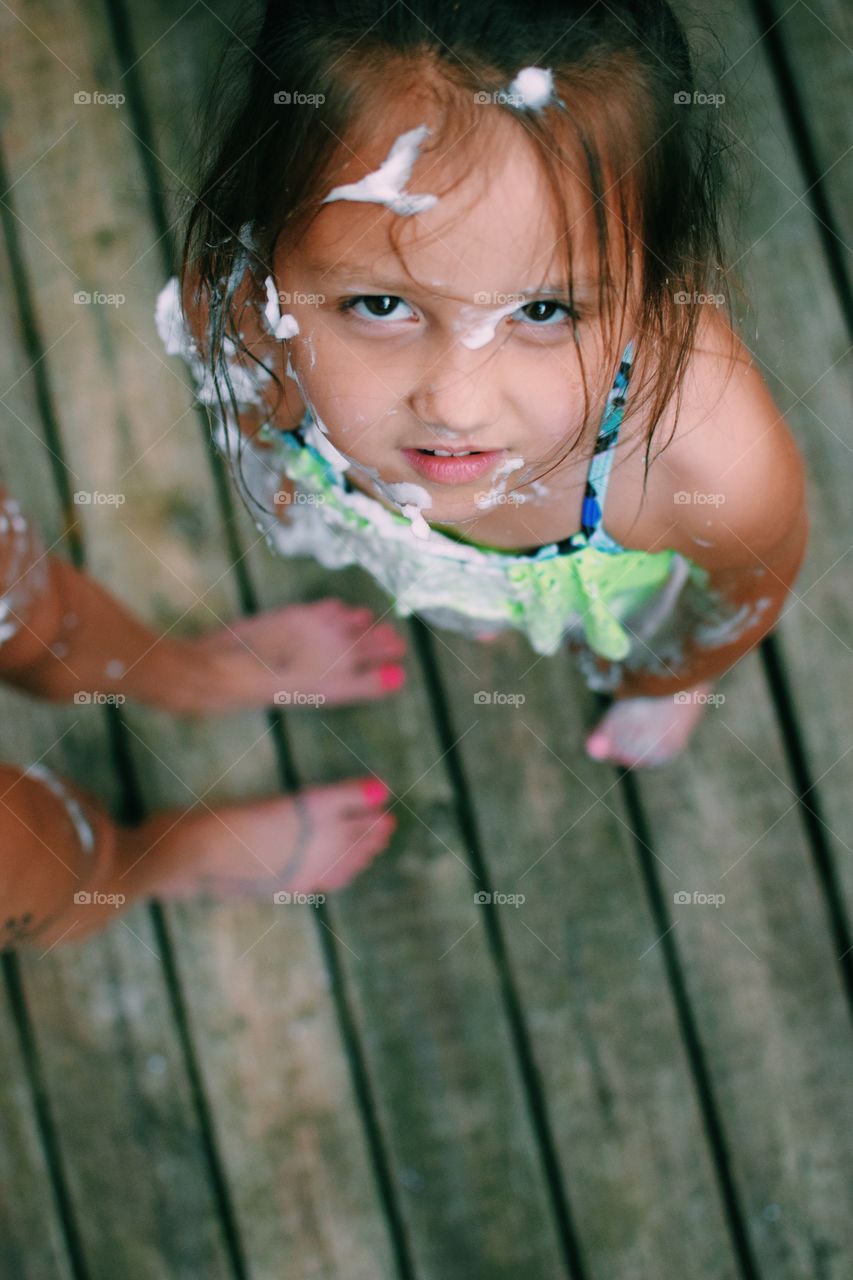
x: 375, y: 791
x: 391, y: 676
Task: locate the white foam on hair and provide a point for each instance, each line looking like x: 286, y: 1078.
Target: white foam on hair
x: 534, y: 86
x: 177, y: 339
x: 385, y: 184
x: 280, y: 326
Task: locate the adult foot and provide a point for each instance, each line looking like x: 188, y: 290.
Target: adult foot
x: 318, y: 839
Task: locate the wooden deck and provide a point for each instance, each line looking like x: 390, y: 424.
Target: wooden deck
x: 405, y: 1084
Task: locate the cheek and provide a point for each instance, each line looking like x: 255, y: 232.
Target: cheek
x: 346, y: 394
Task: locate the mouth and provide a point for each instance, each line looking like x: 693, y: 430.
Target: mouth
x: 452, y: 467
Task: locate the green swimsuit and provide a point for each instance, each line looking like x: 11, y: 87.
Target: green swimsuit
x: 586, y: 587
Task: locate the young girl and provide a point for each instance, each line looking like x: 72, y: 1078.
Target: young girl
x: 453, y: 273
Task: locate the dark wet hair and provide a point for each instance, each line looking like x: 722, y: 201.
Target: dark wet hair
x: 627, y: 126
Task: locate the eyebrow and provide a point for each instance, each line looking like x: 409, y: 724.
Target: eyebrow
x: 365, y: 274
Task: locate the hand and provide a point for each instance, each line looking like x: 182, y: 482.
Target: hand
x: 326, y: 653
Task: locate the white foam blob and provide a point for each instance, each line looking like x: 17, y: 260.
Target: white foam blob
x: 477, y: 326
x: 280, y: 326
x: 534, y: 86
x: 385, y: 184
x: 485, y: 500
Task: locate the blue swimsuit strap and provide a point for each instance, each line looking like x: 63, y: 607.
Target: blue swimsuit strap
x: 602, y: 458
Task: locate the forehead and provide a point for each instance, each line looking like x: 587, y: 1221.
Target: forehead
x: 497, y: 228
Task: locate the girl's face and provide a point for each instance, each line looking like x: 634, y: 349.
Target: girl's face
x: 468, y: 346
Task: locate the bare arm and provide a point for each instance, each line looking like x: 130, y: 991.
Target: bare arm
x: 731, y: 497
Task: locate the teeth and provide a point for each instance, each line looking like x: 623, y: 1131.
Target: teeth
x: 442, y: 453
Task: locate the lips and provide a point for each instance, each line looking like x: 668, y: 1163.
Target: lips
x: 453, y: 470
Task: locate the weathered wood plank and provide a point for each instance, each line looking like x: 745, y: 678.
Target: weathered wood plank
x: 628, y: 1130
x: 32, y: 1243
x: 817, y: 40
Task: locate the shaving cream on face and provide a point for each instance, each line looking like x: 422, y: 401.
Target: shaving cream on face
x: 533, y: 87
x: 385, y: 184
x: 476, y: 325
x: 485, y: 500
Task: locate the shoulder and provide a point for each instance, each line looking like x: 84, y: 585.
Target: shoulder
x: 727, y: 488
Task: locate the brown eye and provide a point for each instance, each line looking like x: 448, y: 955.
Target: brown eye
x: 544, y: 311
x: 378, y: 306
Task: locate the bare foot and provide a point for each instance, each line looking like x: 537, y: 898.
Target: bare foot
x: 322, y: 653
x: 638, y: 732
x: 319, y: 839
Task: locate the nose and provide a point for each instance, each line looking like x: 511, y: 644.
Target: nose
x: 458, y: 398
